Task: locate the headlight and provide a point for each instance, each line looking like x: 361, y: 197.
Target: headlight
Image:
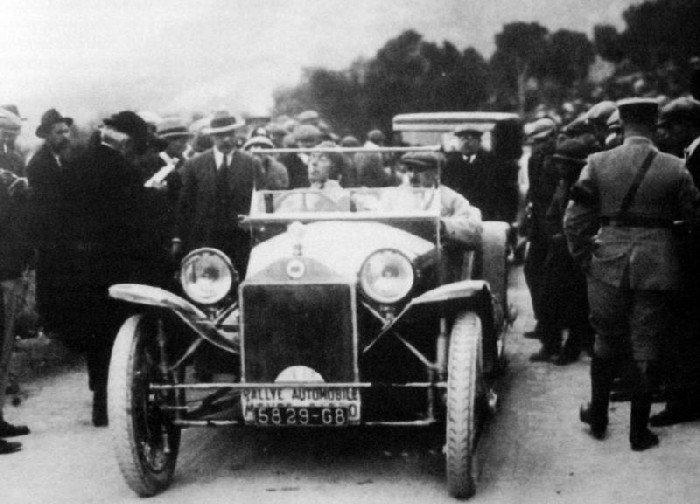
x: 206, y: 275
x: 386, y: 276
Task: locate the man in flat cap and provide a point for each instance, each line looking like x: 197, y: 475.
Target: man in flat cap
x: 460, y: 221
x: 619, y: 229
x: 274, y: 174
x: 217, y: 186
x: 543, y: 178
x: 47, y: 173
x: 474, y: 173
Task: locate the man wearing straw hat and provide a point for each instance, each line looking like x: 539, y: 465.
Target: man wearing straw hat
x: 216, y: 188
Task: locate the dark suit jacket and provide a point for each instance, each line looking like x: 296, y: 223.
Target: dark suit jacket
x: 477, y: 181
x: 198, y: 210
x: 49, y: 205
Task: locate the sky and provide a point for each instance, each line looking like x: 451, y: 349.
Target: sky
x: 90, y: 57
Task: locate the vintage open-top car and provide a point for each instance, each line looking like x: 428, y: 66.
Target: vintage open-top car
x: 354, y: 311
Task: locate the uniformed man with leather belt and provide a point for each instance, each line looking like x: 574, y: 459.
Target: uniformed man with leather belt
x: 619, y: 228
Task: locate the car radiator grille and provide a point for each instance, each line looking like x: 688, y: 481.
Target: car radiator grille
x: 298, y: 325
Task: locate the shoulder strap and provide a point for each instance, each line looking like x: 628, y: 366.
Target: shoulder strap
x: 632, y: 191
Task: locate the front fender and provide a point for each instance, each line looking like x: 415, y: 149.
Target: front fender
x: 192, y: 316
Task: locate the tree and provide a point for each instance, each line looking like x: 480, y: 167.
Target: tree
x: 567, y: 57
x: 520, y: 48
x: 608, y: 43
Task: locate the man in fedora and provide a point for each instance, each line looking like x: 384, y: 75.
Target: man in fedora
x: 47, y: 177
x: 619, y: 230
x: 216, y: 189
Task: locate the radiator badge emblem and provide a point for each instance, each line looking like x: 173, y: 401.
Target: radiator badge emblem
x: 296, y: 268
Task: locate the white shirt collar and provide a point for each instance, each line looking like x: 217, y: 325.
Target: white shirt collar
x: 219, y: 157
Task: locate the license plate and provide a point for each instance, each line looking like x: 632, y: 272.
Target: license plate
x: 301, y: 416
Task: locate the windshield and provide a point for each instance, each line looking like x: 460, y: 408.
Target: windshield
x: 447, y: 139
x: 352, y: 203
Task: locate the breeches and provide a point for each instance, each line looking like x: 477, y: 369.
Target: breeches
x: 627, y: 322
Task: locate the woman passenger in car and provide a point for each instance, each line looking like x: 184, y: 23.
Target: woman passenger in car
x: 324, y: 170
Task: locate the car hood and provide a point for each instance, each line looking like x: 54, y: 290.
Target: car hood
x: 340, y: 246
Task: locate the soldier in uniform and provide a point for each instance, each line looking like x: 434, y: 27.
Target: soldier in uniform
x: 619, y: 229
x: 680, y: 122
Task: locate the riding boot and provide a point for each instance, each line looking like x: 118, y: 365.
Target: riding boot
x: 595, y: 413
x: 641, y: 437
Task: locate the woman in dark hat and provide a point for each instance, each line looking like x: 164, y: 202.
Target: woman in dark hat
x: 107, y: 242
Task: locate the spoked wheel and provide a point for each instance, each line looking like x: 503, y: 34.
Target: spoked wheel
x: 145, y: 440
x: 463, y: 378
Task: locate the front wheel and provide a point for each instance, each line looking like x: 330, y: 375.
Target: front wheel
x: 464, y: 363
x: 145, y: 440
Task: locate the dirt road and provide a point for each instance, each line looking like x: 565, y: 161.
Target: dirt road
x: 533, y: 451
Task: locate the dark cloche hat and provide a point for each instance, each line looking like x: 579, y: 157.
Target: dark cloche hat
x: 376, y: 136
x: 51, y: 117
x: 420, y: 161
x: 130, y: 123
x: 572, y: 150
x: 638, y: 110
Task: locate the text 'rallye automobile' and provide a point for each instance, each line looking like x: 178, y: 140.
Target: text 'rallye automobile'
x: 350, y: 314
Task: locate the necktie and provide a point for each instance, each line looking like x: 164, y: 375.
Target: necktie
x: 223, y: 163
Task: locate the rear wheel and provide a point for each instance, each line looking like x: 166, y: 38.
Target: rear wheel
x: 464, y: 366
x: 146, y: 441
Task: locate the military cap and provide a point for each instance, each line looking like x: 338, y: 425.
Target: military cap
x: 541, y: 128
x: 681, y: 110
x: 600, y: 112
x: 51, y: 117
x: 258, y: 141
x: 307, y: 132
x: 571, y: 150
x: 638, y: 110
x: 421, y: 160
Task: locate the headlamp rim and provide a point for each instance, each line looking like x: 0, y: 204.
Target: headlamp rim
x: 218, y: 253
x: 397, y: 252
